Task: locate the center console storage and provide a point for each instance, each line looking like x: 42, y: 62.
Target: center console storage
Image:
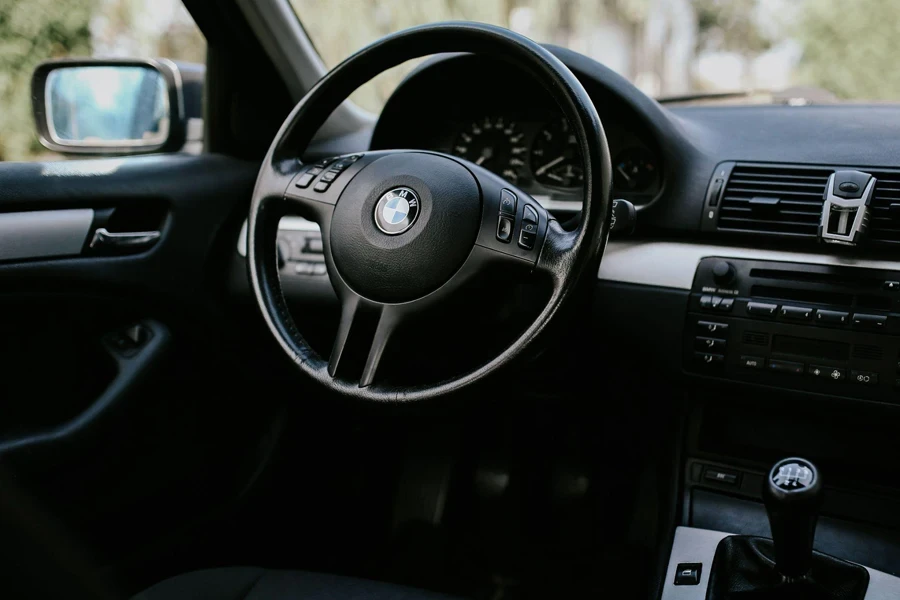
x: 812, y: 328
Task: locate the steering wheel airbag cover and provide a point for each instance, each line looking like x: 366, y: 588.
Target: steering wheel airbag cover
x: 399, y: 268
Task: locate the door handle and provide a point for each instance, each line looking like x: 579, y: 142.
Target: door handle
x: 132, y: 240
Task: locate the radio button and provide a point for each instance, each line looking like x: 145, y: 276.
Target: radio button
x: 864, y: 377
x: 504, y: 229
x: 704, y: 344
x: 762, y: 309
x: 709, y: 359
x: 708, y: 328
x: 725, y: 305
x: 830, y: 373
x: 869, y: 321
x: 507, y: 202
x: 796, y: 313
x: 831, y: 317
x: 717, y: 303
x: 785, y: 366
x: 752, y: 362
x: 304, y: 180
x: 719, y: 476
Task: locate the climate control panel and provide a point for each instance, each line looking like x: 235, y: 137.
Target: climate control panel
x: 814, y: 328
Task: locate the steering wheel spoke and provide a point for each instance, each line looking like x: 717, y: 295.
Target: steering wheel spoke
x: 557, y: 253
x: 365, y: 329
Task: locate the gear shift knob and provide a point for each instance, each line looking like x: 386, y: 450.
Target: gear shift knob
x: 793, y: 493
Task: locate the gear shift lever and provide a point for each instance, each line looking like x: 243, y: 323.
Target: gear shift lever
x: 742, y: 566
x: 793, y: 493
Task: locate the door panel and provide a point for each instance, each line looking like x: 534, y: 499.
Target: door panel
x: 199, y: 192
x: 123, y: 441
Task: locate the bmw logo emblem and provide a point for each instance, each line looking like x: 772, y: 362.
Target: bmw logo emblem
x: 396, y: 210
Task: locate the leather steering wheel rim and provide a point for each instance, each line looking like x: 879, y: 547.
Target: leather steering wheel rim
x: 563, y: 256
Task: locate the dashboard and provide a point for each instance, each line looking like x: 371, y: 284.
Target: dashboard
x: 739, y: 183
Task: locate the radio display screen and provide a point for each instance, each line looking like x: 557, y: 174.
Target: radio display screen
x: 797, y: 346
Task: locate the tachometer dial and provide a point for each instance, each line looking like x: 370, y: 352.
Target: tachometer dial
x: 555, y: 158
x: 494, y: 143
x: 634, y: 170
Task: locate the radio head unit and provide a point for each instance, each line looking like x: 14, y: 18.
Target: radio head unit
x: 816, y: 328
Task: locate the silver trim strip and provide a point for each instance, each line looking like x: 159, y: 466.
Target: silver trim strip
x: 673, y: 264
x: 44, y: 233
x: 882, y: 586
x: 286, y: 224
x: 561, y: 205
x: 297, y: 224
x: 699, y: 546
x: 691, y: 546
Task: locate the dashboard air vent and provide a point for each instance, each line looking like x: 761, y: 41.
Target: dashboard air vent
x: 885, y: 223
x: 774, y: 199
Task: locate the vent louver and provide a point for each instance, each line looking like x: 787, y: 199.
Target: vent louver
x: 774, y: 199
x: 884, y: 225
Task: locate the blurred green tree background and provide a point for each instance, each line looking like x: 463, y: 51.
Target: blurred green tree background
x: 849, y: 45
x: 33, y: 31
x: 666, y: 47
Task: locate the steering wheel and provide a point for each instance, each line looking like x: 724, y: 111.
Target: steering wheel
x: 403, y: 230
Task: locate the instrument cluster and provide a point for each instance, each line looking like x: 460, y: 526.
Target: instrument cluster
x: 542, y: 156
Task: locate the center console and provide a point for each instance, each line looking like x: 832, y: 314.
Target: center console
x: 713, y: 565
x: 814, y: 348
x: 812, y: 328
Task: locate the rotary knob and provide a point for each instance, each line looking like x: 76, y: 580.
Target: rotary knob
x: 723, y: 272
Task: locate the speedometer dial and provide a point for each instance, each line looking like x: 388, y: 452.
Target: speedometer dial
x: 495, y: 144
x: 555, y: 158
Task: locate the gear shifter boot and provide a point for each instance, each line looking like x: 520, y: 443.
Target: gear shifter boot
x: 744, y: 569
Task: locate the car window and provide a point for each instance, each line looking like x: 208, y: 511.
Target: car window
x: 38, y: 30
x: 756, y: 51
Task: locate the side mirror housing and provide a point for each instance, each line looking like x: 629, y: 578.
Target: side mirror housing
x: 109, y: 107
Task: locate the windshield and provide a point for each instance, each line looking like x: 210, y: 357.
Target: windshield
x: 796, y: 51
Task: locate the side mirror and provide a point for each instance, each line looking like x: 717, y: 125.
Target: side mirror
x: 99, y: 106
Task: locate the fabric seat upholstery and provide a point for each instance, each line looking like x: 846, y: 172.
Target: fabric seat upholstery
x: 250, y: 583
